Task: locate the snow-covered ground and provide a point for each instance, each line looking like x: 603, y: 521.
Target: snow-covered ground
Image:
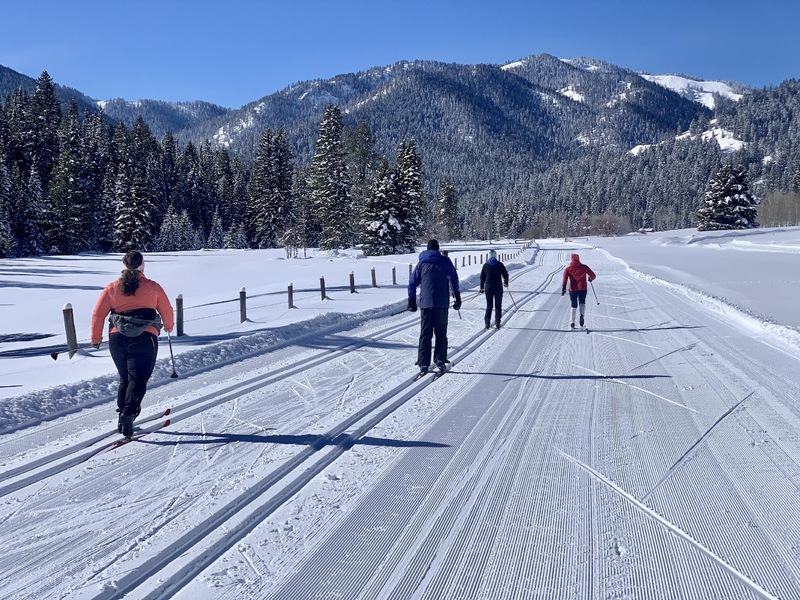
x: 656, y: 456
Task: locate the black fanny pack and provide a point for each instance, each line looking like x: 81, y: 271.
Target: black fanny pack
x: 132, y: 323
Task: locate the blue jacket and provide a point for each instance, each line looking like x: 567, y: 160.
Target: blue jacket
x: 433, y: 275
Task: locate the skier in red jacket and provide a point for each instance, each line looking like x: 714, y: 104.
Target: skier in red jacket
x: 576, y: 272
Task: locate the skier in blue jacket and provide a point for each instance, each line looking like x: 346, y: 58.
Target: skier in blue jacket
x: 434, y: 275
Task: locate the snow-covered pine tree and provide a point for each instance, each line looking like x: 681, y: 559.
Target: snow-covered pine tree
x: 27, y: 205
x: 728, y: 203
x: 236, y: 238
x: 68, y: 216
x: 446, y: 213
x: 5, y: 204
x: 329, y: 184
x: 44, y: 118
x: 264, y: 218
x: 413, y: 211
x: 382, y: 232
x: 305, y: 228
x: 216, y: 237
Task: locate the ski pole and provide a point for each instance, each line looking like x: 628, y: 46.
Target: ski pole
x: 54, y: 355
x: 512, y: 299
x: 172, y: 356
x: 595, y: 293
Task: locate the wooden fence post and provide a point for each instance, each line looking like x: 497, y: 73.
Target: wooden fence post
x: 394, y: 275
x: 242, y: 305
x: 410, y: 269
x: 179, y: 315
x: 352, y: 283
x: 322, y: 288
x: 69, y: 326
x: 374, y: 281
x: 291, y: 296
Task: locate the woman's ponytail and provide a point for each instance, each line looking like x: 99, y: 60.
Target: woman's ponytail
x: 129, y: 281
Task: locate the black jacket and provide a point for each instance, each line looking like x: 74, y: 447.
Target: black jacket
x: 493, y: 275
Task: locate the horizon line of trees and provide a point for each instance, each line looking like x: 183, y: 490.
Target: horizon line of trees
x: 72, y: 183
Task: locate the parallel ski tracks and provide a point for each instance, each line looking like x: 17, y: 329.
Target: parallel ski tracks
x: 264, y: 497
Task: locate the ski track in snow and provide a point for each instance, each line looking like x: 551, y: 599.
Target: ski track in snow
x: 657, y: 457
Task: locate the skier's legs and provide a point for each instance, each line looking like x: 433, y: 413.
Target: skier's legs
x: 582, y: 301
x: 440, y: 329
x: 487, y: 317
x: 498, y: 306
x: 119, y: 354
x: 573, y: 301
x: 425, y: 336
x: 142, y: 353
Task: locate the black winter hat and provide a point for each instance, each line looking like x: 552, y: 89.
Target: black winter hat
x: 433, y: 245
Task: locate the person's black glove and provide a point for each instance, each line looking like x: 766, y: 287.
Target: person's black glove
x: 505, y: 284
x: 563, y: 290
x: 457, y: 303
x: 481, y: 290
x: 412, y: 304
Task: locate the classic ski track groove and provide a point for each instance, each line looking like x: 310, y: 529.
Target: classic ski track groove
x: 420, y: 562
x: 373, y: 413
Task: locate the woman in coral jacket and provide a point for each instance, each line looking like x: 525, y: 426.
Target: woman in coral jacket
x: 138, y: 308
x: 576, y: 273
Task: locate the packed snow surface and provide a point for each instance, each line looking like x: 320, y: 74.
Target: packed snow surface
x: 655, y: 454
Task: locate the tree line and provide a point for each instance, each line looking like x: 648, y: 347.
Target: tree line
x: 72, y: 183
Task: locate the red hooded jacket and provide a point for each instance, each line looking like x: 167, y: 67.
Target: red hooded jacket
x: 576, y: 272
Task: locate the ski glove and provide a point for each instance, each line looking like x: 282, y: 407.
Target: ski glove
x: 412, y: 304
x: 481, y: 290
x: 563, y: 290
x: 457, y: 303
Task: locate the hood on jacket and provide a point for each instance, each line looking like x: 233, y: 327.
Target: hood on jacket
x: 427, y: 256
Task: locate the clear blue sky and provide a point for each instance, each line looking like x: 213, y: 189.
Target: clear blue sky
x: 232, y: 52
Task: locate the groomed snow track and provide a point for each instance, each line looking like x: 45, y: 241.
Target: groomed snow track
x: 654, y: 457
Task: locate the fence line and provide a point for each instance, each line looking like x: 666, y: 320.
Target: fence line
x: 291, y: 296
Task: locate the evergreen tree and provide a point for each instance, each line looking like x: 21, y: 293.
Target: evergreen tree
x: 270, y: 206
x: 216, y: 237
x: 382, y: 232
x: 305, y: 228
x: 447, y: 210
x: 236, y: 237
x: 413, y: 209
x: 329, y: 184
x: 68, y: 214
x: 6, y: 244
x: 728, y: 203
x: 44, y: 118
x: 27, y: 205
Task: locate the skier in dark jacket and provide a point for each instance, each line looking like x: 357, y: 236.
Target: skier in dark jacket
x: 576, y: 273
x: 434, y: 275
x: 494, y: 277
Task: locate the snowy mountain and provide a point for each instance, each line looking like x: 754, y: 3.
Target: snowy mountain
x: 699, y: 90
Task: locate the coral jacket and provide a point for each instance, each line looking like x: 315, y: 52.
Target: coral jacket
x: 148, y: 295
x: 576, y: 272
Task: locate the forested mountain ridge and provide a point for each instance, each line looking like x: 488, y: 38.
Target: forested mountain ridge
x: 540, y: 146
x: 571, y: 106
x: 11, y: 81
x: 162, y: 117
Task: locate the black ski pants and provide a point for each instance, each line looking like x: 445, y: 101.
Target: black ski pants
x: 134, y: 358
x: 578, y: 296
x: 433, y: 322
x: 494, y: 301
